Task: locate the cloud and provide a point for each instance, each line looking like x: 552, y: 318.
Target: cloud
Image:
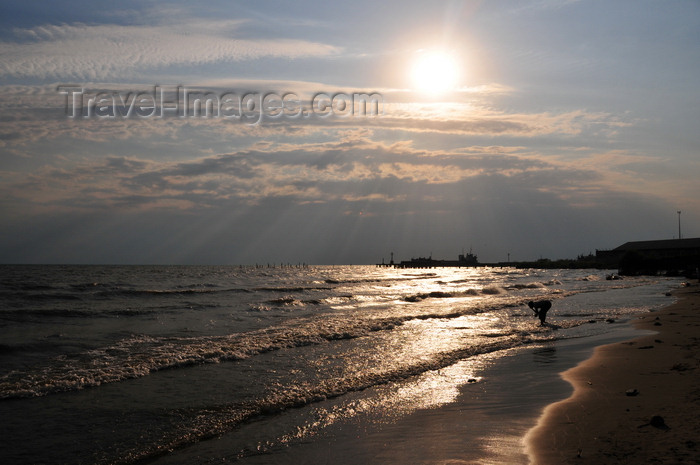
x: 184, y: 163
x: 349, y: 198
x: 107, y: 51
x: 351, y: 168
x: 316, y: 204
x: 37, y: 113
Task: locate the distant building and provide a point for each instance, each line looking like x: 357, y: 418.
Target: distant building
x: 673, y: 256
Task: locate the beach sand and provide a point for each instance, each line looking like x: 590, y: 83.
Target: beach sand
x: 617, y: 392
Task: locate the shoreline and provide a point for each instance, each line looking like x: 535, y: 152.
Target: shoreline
x: 483, y: 422
x: 621, y: 387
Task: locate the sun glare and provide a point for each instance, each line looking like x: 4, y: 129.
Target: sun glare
x: 435, y: 72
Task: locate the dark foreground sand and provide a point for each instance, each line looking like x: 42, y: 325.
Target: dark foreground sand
x: 617, y: 392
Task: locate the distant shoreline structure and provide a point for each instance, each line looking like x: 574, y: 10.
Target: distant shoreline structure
x: 463, y: 260
x: 673, y: 257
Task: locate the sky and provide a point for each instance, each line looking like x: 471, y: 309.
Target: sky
x: 339, y: 132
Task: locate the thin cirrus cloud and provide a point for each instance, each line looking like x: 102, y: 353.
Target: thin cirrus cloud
x: 98, y: 52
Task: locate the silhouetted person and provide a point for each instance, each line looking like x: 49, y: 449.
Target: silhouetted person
x: 541, y: 307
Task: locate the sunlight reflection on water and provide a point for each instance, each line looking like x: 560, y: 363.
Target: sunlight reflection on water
x: 275, y: 362
x: 393, y: 401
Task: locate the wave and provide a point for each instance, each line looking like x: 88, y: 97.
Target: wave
x: 526, y: 286
x: 258, y: 308
x: 426, y: 295
x: 44, y: 296
x: 81, y: 291
x: 22, y: 314
x: 28, y: 313
x: 211, y: 421
x: 28, y: 286
x: 534, y: 285
x: 119, y: 292
x: 140, y: 355
x: 84, y: 293
x: 452, y: 294
x: 291, y: 301
x: 291, y: 289
x: 409, y: 277
x: 491, y: 290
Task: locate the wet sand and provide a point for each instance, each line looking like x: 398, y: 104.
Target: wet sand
x: 621, y: 388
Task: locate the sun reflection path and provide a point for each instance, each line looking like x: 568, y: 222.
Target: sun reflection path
x: 393, y: 401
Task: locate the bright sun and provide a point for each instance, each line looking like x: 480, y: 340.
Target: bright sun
x: 435, y: 71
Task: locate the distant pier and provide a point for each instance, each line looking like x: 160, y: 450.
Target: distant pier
x: 463, y: 260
